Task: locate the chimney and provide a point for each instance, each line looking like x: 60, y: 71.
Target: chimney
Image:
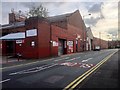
x: 11, y: 18
x: 16, y: 16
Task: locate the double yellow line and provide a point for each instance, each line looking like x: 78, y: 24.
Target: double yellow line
x: 78, y: 80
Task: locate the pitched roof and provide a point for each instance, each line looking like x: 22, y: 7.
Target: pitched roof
x: 58, y: 17
x: 89, y: 32
x: 13, y: 36
x: 13, y: 25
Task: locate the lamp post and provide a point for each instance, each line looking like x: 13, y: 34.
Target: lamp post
x: 100, y: 39
x: 84, y: 33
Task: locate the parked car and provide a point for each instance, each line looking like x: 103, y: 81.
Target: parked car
x: 97, y: 48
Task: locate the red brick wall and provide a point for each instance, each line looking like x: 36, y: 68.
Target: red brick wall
x: 76, y: 20
x: 100, y: 42
x: 43, y: 39
x: 69, y: 34
x: 62, y: 24
x: 66, y: 30
x: 28, y: 50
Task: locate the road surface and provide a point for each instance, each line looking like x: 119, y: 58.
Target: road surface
x: 62, y: 72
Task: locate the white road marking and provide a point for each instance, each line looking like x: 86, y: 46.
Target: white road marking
x: 76, y: 64
x: 28, y: 63
x: 87, y: 60
x: 71, y: 59
x: 32, y: 70
x: 4, y: 80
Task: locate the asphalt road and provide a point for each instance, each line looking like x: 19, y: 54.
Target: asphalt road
x: 105, y: 77
x: 61, y: 72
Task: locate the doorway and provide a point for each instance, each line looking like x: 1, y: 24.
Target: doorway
x: 61, y: 47
x: 10, y: 48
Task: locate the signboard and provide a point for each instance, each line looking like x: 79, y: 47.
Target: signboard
x: 19, y: 41
x: 32, y: 32
x: 55, y: 43
x: 70, y: 45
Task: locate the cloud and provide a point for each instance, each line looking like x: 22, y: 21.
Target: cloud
x: 106, y: 20
x: 91, y: 21
x: 104, y: 15
x: 113, y: 31
x: 60, y: 0
x: 95, y: 8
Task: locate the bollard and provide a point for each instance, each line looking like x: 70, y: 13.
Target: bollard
x: 18, y: 55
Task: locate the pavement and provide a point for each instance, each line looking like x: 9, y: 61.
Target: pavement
x: 63, y: 72
x: 7, y: 62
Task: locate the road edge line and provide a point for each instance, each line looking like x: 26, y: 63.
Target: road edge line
x: 87, y: 72
x: 83, y: 78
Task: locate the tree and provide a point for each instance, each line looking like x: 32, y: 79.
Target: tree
x: 38, y: 11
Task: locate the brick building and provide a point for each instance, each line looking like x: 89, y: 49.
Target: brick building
x: 89, y: 43
x: 99, y: 42
x: 38, y: 37
x: 114, y: 44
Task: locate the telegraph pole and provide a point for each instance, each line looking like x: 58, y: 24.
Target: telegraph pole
x: 100, y: 39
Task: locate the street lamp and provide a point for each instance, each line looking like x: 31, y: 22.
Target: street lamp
x: 86, y: 15
x: 84, y: 32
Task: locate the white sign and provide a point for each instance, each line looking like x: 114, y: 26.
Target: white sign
x: 32, y: 32
x: 70, y: 43
x: 19, y: 41
x: 55, y: 43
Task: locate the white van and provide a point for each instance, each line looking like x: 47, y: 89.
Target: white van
x: 97, y: 48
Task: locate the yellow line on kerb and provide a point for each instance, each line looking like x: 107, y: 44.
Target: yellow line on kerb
x: 77, y: 81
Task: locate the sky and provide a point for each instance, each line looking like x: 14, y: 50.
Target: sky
x: 103, y: 18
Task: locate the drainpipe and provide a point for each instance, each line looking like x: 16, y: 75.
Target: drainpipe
x: 50, y: 40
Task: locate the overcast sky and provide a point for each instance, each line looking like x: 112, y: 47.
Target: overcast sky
x: 103, y: 18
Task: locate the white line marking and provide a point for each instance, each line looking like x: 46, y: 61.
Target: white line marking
x: 87, y: 60
x: 71, y: 59
x: 27, y: 63
x: 32, y: 69
x: 29, y: 69
x: 4, y: 80
x: 58, y: 60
